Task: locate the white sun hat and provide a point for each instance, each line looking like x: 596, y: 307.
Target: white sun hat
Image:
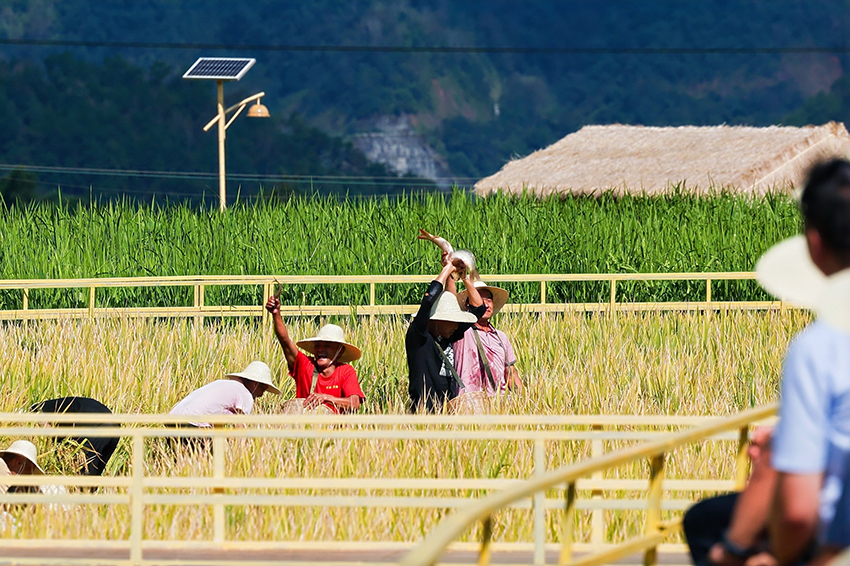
x: 500, y: 296
x: 335, y: 334
x: 26, y: 449
x: 834, y: 302
x: 787, y: 272
x: 258, y: 372
x: 447, y: 308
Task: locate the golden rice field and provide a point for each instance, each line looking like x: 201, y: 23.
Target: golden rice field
x: 632, y: 364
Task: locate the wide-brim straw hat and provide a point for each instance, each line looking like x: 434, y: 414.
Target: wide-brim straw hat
x: 787, y: 272
x: 331, y: 333
x: 834, y: 302
x: 500, y: 296
x: 447, y: 308
x: 26, y: 449
x: 258, y: 372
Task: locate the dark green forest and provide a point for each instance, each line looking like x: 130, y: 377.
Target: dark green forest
x: 100, y: 105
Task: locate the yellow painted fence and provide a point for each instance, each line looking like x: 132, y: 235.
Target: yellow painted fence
x: 568, y: 478
x: 138, y: 490
x: 200, y: 309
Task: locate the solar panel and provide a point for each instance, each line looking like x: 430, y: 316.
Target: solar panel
x: 219, y: 68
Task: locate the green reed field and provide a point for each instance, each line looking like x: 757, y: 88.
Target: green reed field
x: 328, y: 236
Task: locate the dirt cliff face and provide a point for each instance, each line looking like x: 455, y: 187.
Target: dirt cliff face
x: 396, y: 144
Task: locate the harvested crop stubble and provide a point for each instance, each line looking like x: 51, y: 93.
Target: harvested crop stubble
x: 647, y: 364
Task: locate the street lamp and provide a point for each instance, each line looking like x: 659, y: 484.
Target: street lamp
x: 220, y: 70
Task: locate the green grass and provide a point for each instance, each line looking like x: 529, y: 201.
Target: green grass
x: 328, y: 236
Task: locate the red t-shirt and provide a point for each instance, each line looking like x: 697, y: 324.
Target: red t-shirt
x: 341, y: 383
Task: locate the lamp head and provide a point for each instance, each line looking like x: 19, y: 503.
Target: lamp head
x: 258, y: 110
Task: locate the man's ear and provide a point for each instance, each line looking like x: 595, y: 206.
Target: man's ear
x: 815, y: 244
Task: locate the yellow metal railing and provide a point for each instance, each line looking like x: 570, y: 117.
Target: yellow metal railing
x: 431, y: 548
x: 139, y: 491
x: 199, y: 309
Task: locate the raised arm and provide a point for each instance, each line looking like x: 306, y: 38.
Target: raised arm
x: 290, y: 350
x: 420, y: 321
x: 446, y: 273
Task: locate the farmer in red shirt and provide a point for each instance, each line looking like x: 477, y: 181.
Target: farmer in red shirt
x: 325, y: 377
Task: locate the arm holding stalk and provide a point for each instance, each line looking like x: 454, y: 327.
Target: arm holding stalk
x: 290, y: 350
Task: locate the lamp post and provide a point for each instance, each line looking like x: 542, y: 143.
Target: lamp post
x: 220, y: 70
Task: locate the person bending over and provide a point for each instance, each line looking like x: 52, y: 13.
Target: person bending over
x: 234, y: 395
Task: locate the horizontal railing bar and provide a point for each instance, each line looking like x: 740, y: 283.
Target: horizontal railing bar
x: 363, y: 310
x: 389, y: 502
x: 422, y: 484
x: 387, y: 434
x: 177, y: 544
x: 81, y: 481
x: 334, y: 501
x: 627, y: 548
x: 328, y: 501
x: 362, y: 420
x: 226, y: 280
x: 236, y: 561
x: 65, y: 498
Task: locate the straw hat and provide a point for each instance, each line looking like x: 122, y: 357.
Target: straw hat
x: 258, y: 372
x: 331, y: 333
x: 447, y: 308
x: 834, y: 302
x: 26, y: 449
x: 786, y: 271
x: 500, y: 296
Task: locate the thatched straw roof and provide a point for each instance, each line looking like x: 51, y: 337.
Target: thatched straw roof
x: 648, y: 160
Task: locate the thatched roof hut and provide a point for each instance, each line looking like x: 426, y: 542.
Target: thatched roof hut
x: 650, y: 160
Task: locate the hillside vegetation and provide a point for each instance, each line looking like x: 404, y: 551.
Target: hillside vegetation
x: 477, y: 108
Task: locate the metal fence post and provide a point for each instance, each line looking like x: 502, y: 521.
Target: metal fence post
x: 267, y: 292
x: 218, y: 473
x: 137, y: 510
x: 596, y: 518
x: 26, y: 304
x: 199, y: 304
x: 742, y: 459
x: 569, y: 521
x: 486, y: 535
x: 653, y: 507
x: 539, y: 504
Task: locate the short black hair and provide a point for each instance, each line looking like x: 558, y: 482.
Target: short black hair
x: 825, y: 203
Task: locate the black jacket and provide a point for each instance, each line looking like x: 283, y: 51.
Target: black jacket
x: 423, y: 362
